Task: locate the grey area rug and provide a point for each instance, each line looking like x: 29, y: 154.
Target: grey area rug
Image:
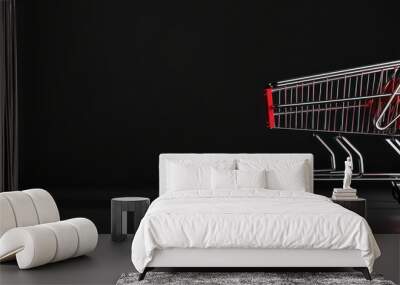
x: 229, y: 278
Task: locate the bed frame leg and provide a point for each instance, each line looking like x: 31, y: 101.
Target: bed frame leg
x: 364, y: 271
x: 143, y: 274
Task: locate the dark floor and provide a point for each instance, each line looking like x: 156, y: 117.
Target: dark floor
x: 104, y: 266
x: 110, y: 259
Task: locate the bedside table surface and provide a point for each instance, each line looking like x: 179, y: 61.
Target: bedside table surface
x: 129, y: 199
x: 352, y: 200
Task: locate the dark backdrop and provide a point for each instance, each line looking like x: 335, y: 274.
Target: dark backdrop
x: 105, y: 86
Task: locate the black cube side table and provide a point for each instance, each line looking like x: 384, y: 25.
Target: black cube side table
x: 119, y: 208
x: 357, y: 205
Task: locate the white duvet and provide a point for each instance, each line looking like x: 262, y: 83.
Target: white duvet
x: 250, y: 219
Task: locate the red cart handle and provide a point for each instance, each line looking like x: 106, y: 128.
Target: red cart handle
x: 270, y: 107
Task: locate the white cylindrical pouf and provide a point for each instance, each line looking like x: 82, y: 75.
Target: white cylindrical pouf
x: 7, y: 218
x: 67, y: 240
x: 87, y: 234
x: 45, y: 205
x: 23, y: 208
x: 34, y: 246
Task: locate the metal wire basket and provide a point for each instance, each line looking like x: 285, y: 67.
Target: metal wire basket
x: 362, y: 100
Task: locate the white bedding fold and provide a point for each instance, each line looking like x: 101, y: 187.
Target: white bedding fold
x: 250, y: 219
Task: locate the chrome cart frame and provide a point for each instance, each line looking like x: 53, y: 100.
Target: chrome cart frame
x: 363, y: 100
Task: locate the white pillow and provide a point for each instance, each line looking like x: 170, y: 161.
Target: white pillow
x: 193, y: 174
x: 183, y: 177
x: 223, y: 179
x: 237, y: 179
x: 251, y: 178
x: 281, y: 174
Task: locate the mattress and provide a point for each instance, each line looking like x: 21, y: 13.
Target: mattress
x: 251, y: 219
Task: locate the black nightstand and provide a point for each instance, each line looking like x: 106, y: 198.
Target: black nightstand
x: 119, y: 208
x: 358, y: 205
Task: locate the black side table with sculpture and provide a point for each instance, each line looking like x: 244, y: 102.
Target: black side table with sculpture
x: 347, y: 198
x: 119, y: 210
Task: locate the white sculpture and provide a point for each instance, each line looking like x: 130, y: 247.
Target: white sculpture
x: 348, y: 172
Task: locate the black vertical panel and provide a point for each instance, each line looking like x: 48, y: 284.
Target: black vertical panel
x: 8, y: 97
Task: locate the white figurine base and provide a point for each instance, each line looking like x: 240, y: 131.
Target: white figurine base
x: 344, y: 194
x: 344, y: 190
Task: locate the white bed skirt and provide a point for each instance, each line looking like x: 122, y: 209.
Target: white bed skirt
x: 190, y: 257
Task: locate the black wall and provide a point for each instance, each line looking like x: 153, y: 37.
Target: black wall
x: 105, y: 86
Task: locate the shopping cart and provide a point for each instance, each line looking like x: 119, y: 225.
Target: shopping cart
x: 363, y: 100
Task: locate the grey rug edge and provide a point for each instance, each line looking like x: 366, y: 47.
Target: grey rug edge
x: 329, y: 278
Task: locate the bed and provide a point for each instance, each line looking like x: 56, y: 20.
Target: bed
x: 247, y: 210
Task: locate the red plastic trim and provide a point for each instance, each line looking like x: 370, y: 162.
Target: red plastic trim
x: 270, y: 107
